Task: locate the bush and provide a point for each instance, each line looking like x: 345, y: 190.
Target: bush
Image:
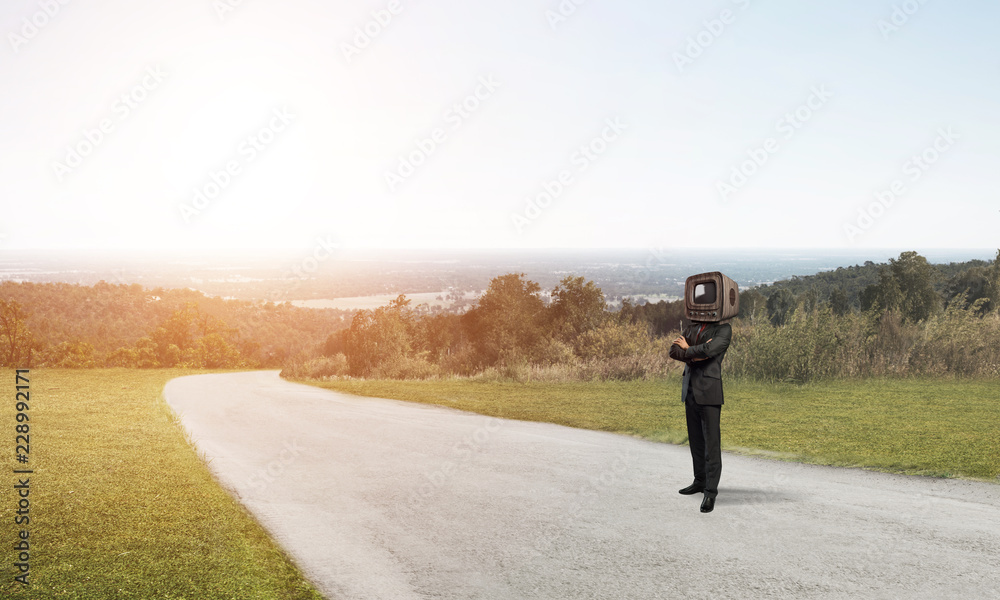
x: 653, y: 363
x: 323, y: 367
x: 70, y: 355
x: 406, y: 367
x: 554, y: 352
x: 615, y: 339
x: 960, y: 342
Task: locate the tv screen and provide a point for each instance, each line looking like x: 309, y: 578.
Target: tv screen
x: 704, y: 293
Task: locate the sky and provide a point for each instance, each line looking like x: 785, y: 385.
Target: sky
x: 210, y: 124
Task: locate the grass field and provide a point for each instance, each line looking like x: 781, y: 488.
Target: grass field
x: 121, y: 506
x: 935, y: 427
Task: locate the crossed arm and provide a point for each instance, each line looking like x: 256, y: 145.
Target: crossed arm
x: 682, y: 351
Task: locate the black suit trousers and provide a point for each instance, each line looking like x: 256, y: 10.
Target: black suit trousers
x: 704, y: 439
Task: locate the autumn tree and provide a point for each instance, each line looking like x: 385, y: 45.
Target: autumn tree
x: 16, y: 341
x: 439, y: 335
x: 508, y: 322
x: 70, y: 355
x: 380, y: 336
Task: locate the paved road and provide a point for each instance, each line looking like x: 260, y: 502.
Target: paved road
x: 389, y: 500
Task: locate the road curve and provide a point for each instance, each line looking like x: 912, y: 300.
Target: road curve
x: 381, y: 499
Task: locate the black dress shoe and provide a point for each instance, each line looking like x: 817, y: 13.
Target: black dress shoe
x: 708, y: 504
x: 694, y: 488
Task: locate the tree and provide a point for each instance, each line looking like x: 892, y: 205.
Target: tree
x: 16, y: 342
x: 753, y: 306
x: 809, y: 300
x: 577, y: 307
x: 839, y: 303
x: 780, y: 306
x: 969, y: 286
x: 439, y: 335
x: 884, y: 296
x: 70, y: 355
x: 380, y: 336
x: 175, y: 335
x: 906, y: 286
x: 916, y: 281
x: 507, y: 324
x: 993, y: 282
x: 214, y: 352
x: 336, y: 343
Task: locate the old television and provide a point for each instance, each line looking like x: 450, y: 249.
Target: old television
x: 711, y: 298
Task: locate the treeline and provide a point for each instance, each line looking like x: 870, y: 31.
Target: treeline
x: 907, y: 319
x: 903, y: 318
x: 511, y: 331
x: 69, y: 325
x: 851, y: 288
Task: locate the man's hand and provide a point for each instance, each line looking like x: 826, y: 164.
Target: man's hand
x: 683, y: 343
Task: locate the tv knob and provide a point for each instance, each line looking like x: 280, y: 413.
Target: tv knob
x: 715, y: 314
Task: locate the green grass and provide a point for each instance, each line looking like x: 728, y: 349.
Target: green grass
x: 121, y: 505
x: 935, y: 427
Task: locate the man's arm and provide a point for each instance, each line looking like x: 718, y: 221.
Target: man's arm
x: 677, y: 353
x: 678, y: 348
x: 712, y: 348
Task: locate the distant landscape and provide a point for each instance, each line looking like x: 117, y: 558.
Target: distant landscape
x: 655, y: 273
x: 562, y: 315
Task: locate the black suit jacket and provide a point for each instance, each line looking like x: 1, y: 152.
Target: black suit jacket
x: 704, y: 377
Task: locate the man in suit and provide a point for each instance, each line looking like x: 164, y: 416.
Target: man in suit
x: 702, y: 348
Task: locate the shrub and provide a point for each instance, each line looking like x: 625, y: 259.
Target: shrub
x: 960, y: 342
x: 406, y: 367
x: 615, y: 339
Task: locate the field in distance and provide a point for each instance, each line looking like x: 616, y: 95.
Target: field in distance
x: 442, y: 299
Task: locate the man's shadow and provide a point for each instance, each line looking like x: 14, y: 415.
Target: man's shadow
x: 746, y: 496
